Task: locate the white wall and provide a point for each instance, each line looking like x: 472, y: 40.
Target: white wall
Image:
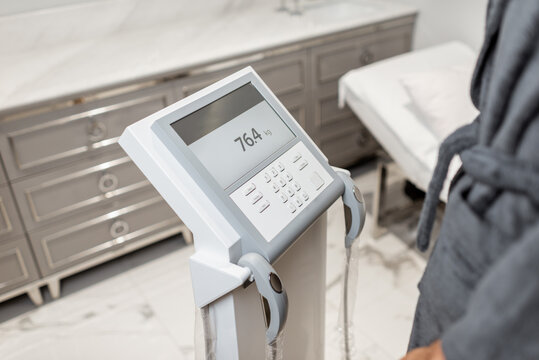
x: 444, y: 20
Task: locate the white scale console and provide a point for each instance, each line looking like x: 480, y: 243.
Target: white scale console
x: 249, y: 183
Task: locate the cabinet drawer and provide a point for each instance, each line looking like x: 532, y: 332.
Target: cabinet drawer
x: 329, y: 117
x: 65, y: 245
x: 42, y: 142
x: 55, y: 195
x: 334, y: 60
x: 10, y: 224
x: 349, y: 147
x: 331, y: 61
x: 284, y: 74
x: 17, y: 265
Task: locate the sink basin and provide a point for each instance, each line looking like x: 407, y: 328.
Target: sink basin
x: 330, y: 11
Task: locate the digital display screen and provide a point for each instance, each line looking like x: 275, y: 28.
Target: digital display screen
x: 234, y: 134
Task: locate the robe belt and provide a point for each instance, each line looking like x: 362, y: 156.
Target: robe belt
x: 483, y: 164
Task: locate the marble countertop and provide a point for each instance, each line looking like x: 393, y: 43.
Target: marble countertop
x: 42, y: 70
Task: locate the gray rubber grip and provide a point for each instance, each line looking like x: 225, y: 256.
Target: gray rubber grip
x: 354, y: 209
x: 270, y: 287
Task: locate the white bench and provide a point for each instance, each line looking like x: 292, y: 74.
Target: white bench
x: 377, y: 96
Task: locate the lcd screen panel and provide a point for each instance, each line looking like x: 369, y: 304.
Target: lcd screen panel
x: 234, y: 134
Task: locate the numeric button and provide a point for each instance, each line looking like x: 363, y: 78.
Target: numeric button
x: 274, y: 172
x: 289, y: 192
x: 297, y: 186
x: 283, y: 197
x: 282, y: 182
x: 280, y: 166
x: 275, y: 187
x: 298, y: 202
x: 267, y: 177
x: 304, y: 196
x: 288, y: 176
x: 291, y: 207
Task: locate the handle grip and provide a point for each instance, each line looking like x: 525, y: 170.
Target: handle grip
x: 270, y: 287
x: 354, y: 209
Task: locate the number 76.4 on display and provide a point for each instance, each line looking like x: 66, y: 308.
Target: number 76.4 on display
x: 250, y: 139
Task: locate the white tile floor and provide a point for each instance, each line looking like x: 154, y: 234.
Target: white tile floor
x: 141, y: 307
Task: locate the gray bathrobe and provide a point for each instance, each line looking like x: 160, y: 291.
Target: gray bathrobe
x: 480, y: 291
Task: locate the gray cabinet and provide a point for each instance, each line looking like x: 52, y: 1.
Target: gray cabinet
x: 81, y: 198
x: 51, y: 139
x: 62, y: 193
x: 338, y: 132
x: 140, y: 215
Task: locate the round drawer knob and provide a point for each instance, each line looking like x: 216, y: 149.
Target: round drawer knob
x: 107, y: 182
x: 119, y: 228
x: 96, y: 131
x: 366, y: 57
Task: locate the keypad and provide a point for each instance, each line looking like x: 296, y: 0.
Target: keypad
x: 288, y: 184
x: 279, y: 193
x: 274, y: 197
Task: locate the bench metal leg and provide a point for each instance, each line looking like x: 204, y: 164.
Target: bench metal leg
x: 379, y: 194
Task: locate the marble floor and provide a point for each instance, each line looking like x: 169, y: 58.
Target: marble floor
x: 140, y: 306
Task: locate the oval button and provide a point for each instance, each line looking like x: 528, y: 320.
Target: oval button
x: 275, y: 283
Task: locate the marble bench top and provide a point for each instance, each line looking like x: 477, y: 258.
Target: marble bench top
x: 59, y: 58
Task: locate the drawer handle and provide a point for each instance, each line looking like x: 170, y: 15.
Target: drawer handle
x: 362, y: 138
x: 96, y: 131
x: 107, y: 182
x: 366, y: 57
x: 119, y: 228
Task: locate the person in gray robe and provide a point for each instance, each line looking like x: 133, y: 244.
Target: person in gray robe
x: 479, y: 295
